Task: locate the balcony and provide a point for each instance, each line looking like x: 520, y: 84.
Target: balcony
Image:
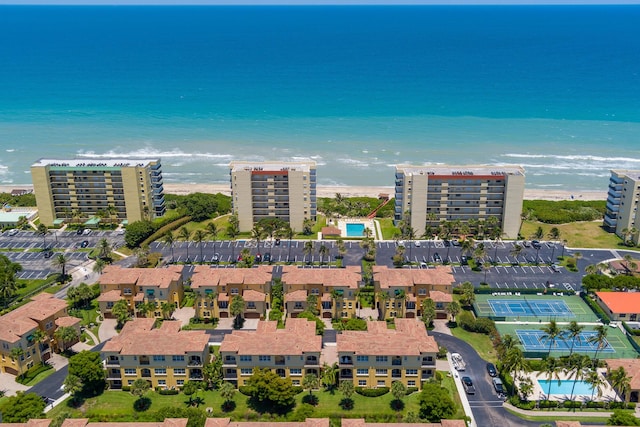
x: 145, y: 373
x: 428, y: 361
x: 396, y: 373
x: 113, y: 361
x: 195, y: 361
x: 196, y: 374
x: 311, y: 361
x: 279, y: 360
x: 144, y: 360
x: 396, y: 361
x: 229, y: 360
x: 346, y: 360
x: 230, y: 374
x: 346, y: 374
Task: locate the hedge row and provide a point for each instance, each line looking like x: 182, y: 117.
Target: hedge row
x: 596, y: 308
x: 372, y: 392
x: 166, y: 392
x: 163, y: 230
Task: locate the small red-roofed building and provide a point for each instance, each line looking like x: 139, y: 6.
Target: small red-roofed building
x: 335, y: 290
x: 167, y: 356
x: 379, y: 356
x: 154, y: 287
x: 620, y: 305
x: 632, y: 368
x: 401, y: 292
x: 215, y: 288
x: 292, y: 352
x: 19, y: 330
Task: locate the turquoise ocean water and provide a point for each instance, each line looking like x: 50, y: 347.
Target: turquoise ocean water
x: 555, y: 89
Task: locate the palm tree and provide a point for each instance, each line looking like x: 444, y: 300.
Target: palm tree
x: 308, y: 250
x: 212, y: 230
x: 310, y: 382
x: 232, y: 232
x: 515, y: 362
x: 382, y: 298
x: 199, y: 236
x: 600, y: 339
x: 516, y: 251
x: 629, y: 264
x: 43, y: 231
x: 167, y: 309
x: 507, y: 342
x: 578, y: 366
x: 342, y: 249
x: 620, y: 381
x: 399, y: 300
x: 168, y: 239
x: 551, y: 332
x: 39, y: 337
x: 99, y: 265
x: 552, y: 368
x: 112, y: 211
x: 595, y: 380
x: 554, y: 233
x: 289, y: 233
x: 574, y: 333
x: 466, y: 246
x: 185, y: 235
x: 64, y: 335
x: 61, y: 261
x: 453, y: 309
x: 17, y: 354
x: 329, y: 375
x: 104, y: 249
x: 323, y: 251
x: 257, y: 232
x: 236, y: 307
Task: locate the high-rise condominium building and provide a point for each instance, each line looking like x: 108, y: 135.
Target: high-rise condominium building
x: 622, y: 215
x: 283, y: 190
x: 428, y: 195
x: 117, y: 190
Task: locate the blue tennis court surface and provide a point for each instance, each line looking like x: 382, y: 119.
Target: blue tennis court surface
x: 520, y: 307
x: 534, y: 340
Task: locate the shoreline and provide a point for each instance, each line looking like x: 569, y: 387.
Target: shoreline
x: 356, y: 191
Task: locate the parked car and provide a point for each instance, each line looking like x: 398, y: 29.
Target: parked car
x: 417, y: 243
x: 491, y: 369
x: 215, y: 258
x: 536, y: 244
x: 401, y: 243
x: 258, y: 258
x: 464, y: 260
x: 80, y: 231
x: 497, y: 384
x: 455, y: 242
x: 468, y: 385
x: 267, y: 257
x: 87, y: 231
x: 446, y: 243
x: 84, y: 244
x: 458, y: 362
x: 277, y: 242
x: 526, y: 244
x: 48, y: 254
x: 436, y: 257
x: 13, y: 232
x: 555, y: 267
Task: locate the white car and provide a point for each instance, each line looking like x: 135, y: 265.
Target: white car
x: 87, y: 231
x: 401, y: 243
x: 417, y: 243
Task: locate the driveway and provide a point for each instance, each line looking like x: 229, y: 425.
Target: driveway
x: 486, y: 406
x: 184, y: 314
x: 9, y: 384
x: 107, y: 329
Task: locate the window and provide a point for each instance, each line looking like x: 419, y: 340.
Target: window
x: 179, y: 358
x: 362, y: 358
x: 295, y: 371
x: 381, y: 383
x: 264, y: 358
x: 411, y: 383
x: 362, y: 372
x: 245, y: 358
x: 246, y: 371
x: 179, y: 371
x: 234, y: 291
x: 412, y: 372
x: 381, y: 372
x: 295, y: 383
x: 49, y: 325
x: 251, y: 305
x: 315, y: 291
x: 422, y: 292
x: 130, y: 382
x: 129, y: 371
x: 362, y: 383
x: 381, y: 358
x: 160, y: 371
x: 158, y: 358
x: 180, y: 382
x: 162, y: 382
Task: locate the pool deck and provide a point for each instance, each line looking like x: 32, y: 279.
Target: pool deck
x: 342, y: 226
x: 608, y: 394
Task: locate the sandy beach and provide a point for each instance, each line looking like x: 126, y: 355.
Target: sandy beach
x: 355, y: 191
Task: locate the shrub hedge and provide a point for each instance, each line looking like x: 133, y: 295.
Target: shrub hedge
x: 596, y: 308
x: 372, y: 392
x: 166, y: 392
x: 168, y: 227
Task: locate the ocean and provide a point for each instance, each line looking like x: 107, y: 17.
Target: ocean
x: 358, y: 89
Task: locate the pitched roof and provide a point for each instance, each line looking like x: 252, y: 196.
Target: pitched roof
x: 160, y: 277
x: 255, y: 296
x: 138, y: 336
x: 408, y: 339
x: 205, y: 276
x: 349, y: 276
x: 110, y: 296
x: 631, y: 367
x: 298, y: 337
x: 84, y: 422
x: 621, y: 302
x: 439, y: 296
x: 399, y: 277
x: 24, y: 319
x: 295, y: 296
x: 67, y: 321
x: 30, y: 423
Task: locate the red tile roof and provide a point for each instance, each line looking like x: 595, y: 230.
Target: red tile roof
x: 160, y: 277
x: 84, y: 422
x: 349, y: 276
x: 23, y: 320
x: 400, y: 277
x: 67, y: 321
x: 631, y: 367
x: 408, y: 339
x: 205, y: 276
x: 439, y: 296
x: 621, y: 302
x: 298, y: 337
x: 295, y: 296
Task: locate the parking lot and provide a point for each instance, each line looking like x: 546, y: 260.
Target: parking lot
x: 28, y: 249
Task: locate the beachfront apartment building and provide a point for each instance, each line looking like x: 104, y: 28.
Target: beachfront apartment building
x: 166, y: 356
x: 379, y: 356
x: 428, y: 195
x: 622, y: 216
x: 159, y: 286
x: 335, y: 290
x: 91, y: 189
x: 27, y: 333
x: 401, y: 292
x: 620, y: 306
x: 266, y: 190
x: 215, y: 289
x: 292, y: 352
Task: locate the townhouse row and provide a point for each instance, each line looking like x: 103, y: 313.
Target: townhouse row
x: 167, y: 357
x: 27, y: 334
x: 398, y: 292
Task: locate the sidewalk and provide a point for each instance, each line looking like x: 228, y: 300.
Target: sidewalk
x: 546, y: 413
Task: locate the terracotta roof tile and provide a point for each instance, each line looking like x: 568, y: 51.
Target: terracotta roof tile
x: 439, y: 296
x: 399, y: 277
x: 408, y: 339
x: 631, y: 367
x: 298, y: 337
x: 139, y: 337
x: 295, y: 296
x: 111, y: 296
x: 621, y: 302
x: 255, y: 296
x: 24, y: 319
x: 205, y: 276
x: 160, y: 277
x: 349, y: 276
x: 67, y: 321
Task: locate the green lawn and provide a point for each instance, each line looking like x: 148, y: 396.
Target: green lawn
x: 551, y: 418
x: 388, y: 229
x: 578, y: 234
x: 40, y: 377
x: 480, y: 342
x: 88, y: 316
x: 118, y: 405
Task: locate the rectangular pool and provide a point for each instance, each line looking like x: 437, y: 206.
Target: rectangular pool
x: 582, y: 387
x: 355, y: 230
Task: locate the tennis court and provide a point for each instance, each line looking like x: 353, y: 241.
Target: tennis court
x: 533, y: 307
x: 535, y: 344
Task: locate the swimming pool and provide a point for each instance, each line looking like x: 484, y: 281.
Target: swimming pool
x: 582, y: 387
x: 355, y: 229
